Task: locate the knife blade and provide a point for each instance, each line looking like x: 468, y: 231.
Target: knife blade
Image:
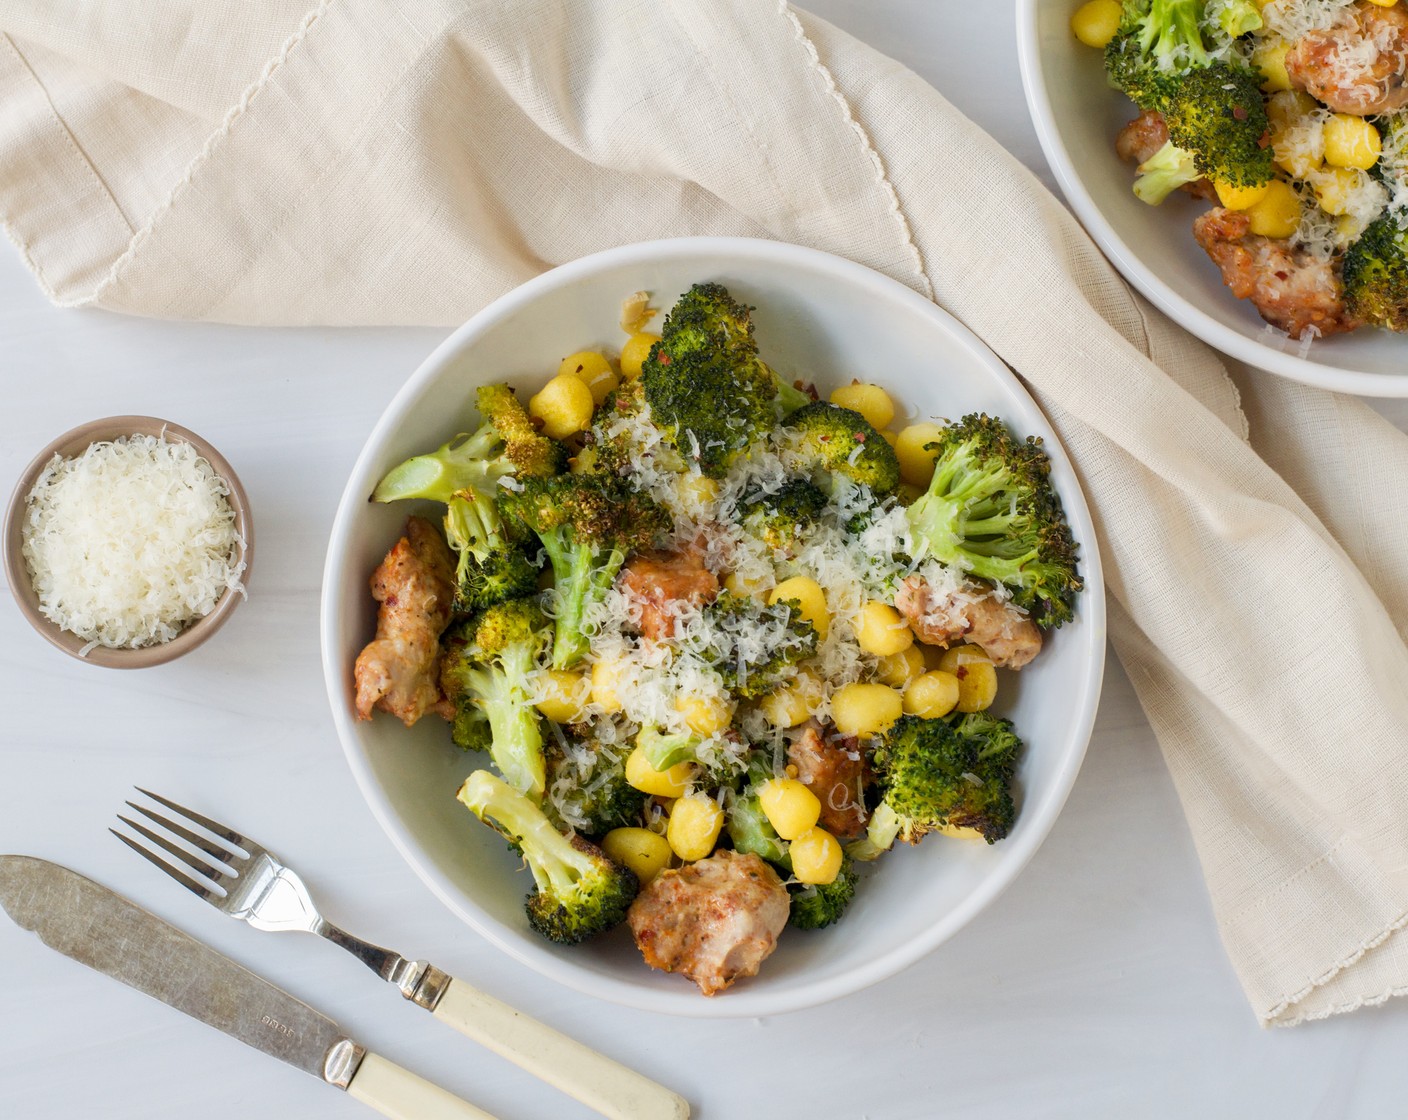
x: 99, y: 928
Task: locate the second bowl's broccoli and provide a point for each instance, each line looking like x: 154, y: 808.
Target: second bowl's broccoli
x: 1213, y: 106
x: 1164, y: 172
x: 580, y: 891
x: 588, y: 524
x: 936, y: 774
x: 991, y: 510
x: 842, y: 441
x: 1376, y: 275
x: 485, y: 668
x: 465, y: 476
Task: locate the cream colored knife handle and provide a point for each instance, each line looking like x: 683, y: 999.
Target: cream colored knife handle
x: 401, y: 1095
x: 580, y: 1072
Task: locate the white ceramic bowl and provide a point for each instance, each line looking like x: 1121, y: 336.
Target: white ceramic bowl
x: 818, y: 316
x: 1077, y: 116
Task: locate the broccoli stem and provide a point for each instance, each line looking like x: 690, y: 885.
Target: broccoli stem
x: 582, y: 576
x: 516, y: 739
x: 556, y: 865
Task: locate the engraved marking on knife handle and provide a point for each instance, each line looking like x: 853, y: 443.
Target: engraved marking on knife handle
x: 270, y: 1021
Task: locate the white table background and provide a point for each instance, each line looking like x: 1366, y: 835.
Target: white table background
x: 1095, y: 986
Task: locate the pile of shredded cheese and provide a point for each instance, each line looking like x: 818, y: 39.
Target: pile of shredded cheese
x: 130, y: 542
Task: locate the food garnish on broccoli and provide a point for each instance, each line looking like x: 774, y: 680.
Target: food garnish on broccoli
x: 706, y: 386
x: 942, y: 774
x: 465, y: 475
x: 840, y: 441
x: 588, y: 525
x: 1376, y: 275
x: 1211, y: 102
x: 815, y: 906
x: 781, y: 518
x: 486, y: 665
x: 587, y: 789
x: 991, y: 510
x: 580, y: 892
x: 756, y: 646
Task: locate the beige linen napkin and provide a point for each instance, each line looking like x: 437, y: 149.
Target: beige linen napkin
x: 378, y: 161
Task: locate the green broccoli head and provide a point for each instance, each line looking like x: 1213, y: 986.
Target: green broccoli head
x: 842, y: 442
x: 532, y: 454
x: 820, y: 905
x: 991, y: 510
x: 1163, y: 60
x: 704, y: 383
x: 465, y: 474
x: 1376, y: 275
x: 484, y: 669
x: 1156, y: 40
x: 1218, y: 114
x: 587, y: 789
x: 580, y: 892
x: 756, y: 646
x: 781, y: 518
x: 941, y: 774
x: 588, y: 524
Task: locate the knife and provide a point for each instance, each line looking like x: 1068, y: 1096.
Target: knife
x: 108, y: 933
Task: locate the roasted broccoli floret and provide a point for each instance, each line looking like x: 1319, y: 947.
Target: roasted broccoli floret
x: 580, y: 891
x: 706, y: 386
x: 588, y: 524
x: 941, y: 774
x: 485, y: 667
x: 1218, y: 114
x: 470, y: 727
x: 842, y: 441
x: 756, y: 646
x: 781, y: 518
x: 1164, y: 172
x: 992, y: 511
x: 464, y: 474
x: 820, y: 905
x: 587, y: 789
x: 1376, y: 275
x: 1213, y: 107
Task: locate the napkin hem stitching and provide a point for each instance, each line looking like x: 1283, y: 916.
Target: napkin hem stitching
x: 207, y: 149
x: 882, y: 176
x: 1271, y: 1016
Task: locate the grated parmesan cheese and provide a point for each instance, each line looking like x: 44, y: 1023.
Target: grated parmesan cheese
x: 131, y: 541
x: 1292, y: 19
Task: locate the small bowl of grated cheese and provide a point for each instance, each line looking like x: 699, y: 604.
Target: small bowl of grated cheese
x: 128, y: 542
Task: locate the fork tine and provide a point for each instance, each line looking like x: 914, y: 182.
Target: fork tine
x: 223, y: 831
x: 175, y: 872
x: 194, y: 862
x: 209, y: 847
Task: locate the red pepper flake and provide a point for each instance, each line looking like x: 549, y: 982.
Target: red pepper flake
x: 860, y: 437
x: 390, y: 600
x: 824, y: 439
x: 663, y: 358
x: 960, y: 672
x: 1239, y: 113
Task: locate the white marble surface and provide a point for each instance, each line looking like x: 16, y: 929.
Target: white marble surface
x: 1095, y: 986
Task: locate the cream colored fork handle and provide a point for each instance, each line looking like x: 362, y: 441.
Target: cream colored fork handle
x: 401, y: 1095
x: 580, y: 1072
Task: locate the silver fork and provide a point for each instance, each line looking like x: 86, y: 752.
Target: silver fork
x: 246, y: 881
